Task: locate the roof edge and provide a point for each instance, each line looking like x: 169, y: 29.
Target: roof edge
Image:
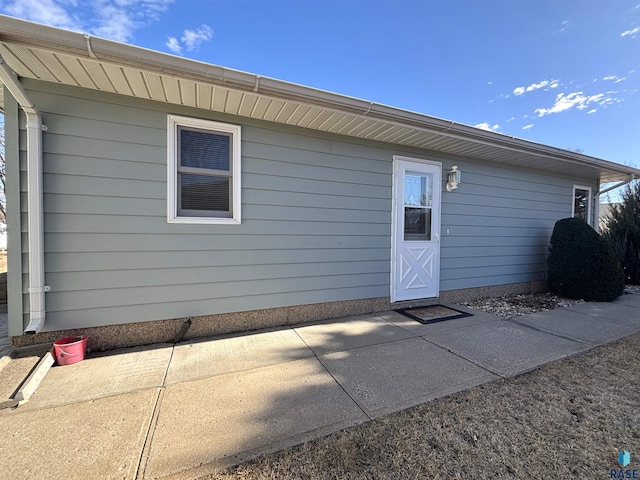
x: 41, y: 36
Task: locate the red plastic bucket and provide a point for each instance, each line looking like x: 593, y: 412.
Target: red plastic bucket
x: 70, y: 350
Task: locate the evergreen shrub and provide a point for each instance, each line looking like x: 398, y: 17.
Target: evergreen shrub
x: 582, y: 264
x: 623, y: 230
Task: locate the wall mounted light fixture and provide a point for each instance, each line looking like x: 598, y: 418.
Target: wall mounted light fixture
x: 453, y: 179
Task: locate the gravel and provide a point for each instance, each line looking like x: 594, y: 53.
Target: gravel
x: 629, y: 289
x: 516, y: 305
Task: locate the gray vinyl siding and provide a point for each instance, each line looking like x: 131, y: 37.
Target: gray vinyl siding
x: 316, y: 218
x: 14, y: 236
x: 500, y: 221
x: 315, y: 223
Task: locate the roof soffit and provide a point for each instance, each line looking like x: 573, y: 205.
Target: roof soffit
x: 110, y: 67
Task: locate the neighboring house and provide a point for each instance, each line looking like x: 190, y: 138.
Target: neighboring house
x: 605, y: 213
x: 164, y: 188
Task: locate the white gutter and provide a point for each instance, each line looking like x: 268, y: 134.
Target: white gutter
x: 37, y: 287
x: 631, y: 178
x: 31, y: 34
x: 596, y: 198
x: 35, y: 35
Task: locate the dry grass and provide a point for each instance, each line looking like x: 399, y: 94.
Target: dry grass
x: 567, y: 419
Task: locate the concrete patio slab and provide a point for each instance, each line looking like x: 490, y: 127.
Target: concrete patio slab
x: 350, y: 332
x: 226, y: 419
x: 505, y: 347
x: 585, y: 328
x: 392, y: 376
x: 620, y: 309
x: 103, y: 375
x: 98, y: 439
x: 631, y: 300
x: 200, y: 359
x: 15, y: 368
x: 188, y: 429
x: 422, y: 329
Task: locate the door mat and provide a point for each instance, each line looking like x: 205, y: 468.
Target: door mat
x: 433, y: 313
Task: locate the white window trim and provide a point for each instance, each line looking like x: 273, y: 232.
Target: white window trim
x: 589, y: 202
x: 173, y: 121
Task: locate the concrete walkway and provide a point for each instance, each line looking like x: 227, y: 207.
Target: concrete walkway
x: 183, y: 411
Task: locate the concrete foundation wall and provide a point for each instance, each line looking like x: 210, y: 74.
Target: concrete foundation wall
x: 143, y: 333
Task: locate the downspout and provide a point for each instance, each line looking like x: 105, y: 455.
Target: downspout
x: 631, y: 178
x: 37, y: 287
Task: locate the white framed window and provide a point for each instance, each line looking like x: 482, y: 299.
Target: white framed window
x: 203, y: 179
x: 582, y: 203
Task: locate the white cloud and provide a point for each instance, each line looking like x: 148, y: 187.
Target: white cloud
x: 194, y: 38
x: 487, y: 126
x: 48, y: 12
x: 536, y: 86
x: 615, y: 78
x: 511, y: 119
x: 174, y: 45
x: 116, y: 24
x: 578, y: 100
x: 631, y: 32
x: 527, y: 127
x: 593, y: 110
x: 113, y: 19
x: 191, y: 39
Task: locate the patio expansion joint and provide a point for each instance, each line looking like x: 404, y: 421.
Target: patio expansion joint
x: 574, y: 309
x: 541, y: 330
x: 483, y: 367
x: 153, y: 422
x: 353, y: 398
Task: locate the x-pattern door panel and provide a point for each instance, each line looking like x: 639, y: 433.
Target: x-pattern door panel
x: 416, y: 268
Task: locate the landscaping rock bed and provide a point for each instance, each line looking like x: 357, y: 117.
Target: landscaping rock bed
x: 516, y: 305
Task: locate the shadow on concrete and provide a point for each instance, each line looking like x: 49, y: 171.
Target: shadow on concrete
x: 312, y: 380
x: 217, y: 402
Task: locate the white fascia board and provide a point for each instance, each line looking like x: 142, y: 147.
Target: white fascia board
x: 39, y: 36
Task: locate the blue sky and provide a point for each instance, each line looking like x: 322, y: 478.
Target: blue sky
x: 564, y: 73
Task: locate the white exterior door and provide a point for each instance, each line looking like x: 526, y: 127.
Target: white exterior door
x: 415, y: 248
